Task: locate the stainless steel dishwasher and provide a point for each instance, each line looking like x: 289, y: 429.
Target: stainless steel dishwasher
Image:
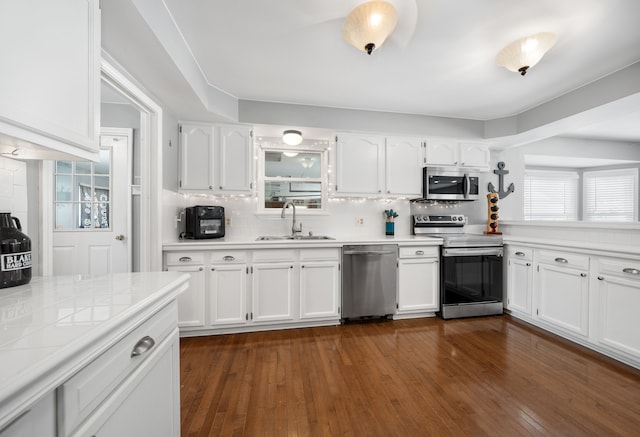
x: 369, y: 280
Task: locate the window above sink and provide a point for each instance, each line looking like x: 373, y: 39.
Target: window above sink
x: 298, y: 174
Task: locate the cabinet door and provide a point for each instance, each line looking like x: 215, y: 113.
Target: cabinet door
x: 474, y: 155
x: 360, y: 164
x: 228, y: 294
x: 196, y: 157
x: 146, y: 404
x: 403, y: 167
x: 563, y: 298
x: 272, y: 292
x: 50, y: 80
x: 235, y: 160
x: 418, y: 285
x: 519, y: 285
x: 39, y: 420
x: 191, y: 301
x: 442, y: 153
x: 618, y: 301
x: 319, y: 290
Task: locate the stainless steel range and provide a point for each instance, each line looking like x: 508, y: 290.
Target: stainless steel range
x: 470, y: 266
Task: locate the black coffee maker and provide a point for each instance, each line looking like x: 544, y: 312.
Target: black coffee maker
x: 15, y: 252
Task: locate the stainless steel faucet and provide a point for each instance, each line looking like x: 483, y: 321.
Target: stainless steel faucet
x: 294, y: 229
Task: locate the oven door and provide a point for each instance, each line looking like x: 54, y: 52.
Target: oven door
x: 471, y: 281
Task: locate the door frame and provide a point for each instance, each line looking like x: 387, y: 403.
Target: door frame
x: 150, y: 176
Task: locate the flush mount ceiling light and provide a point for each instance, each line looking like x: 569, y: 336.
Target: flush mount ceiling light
x: 292, y: 137
x: 368, y: 25
x: 526, y: 52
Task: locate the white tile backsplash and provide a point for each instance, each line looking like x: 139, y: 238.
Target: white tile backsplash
x: 13, y: 189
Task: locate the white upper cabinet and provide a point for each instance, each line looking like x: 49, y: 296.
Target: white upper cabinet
x: 369, y: 165
x: 50, y: 77
x: 450, y: 153
x: 441, y: 152
x: 360, y: 164
x: 403, y: 175
x: 215, y: 159
x: 196, y: 157
x: 235, y: 159
x: 474, y: 155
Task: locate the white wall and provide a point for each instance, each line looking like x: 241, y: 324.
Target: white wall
x: 13, y: 190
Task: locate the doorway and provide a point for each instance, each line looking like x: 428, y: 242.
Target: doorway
x: 146, y: 188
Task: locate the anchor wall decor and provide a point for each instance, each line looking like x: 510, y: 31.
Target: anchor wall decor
x: 501, y: 172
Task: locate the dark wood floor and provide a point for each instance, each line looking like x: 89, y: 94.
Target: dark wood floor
x: 490, y: 376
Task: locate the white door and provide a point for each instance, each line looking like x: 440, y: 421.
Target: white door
x: 92, y: 206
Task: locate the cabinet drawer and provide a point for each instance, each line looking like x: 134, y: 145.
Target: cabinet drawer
x: 184, y: 258
x: 519, y: 252
x: 229, y: 256
x: 320, y: 254
x: 274, y: 255
x: 83, y: 392
x: 567, y: 259
x: 419, y: 252
x: 620, y: 267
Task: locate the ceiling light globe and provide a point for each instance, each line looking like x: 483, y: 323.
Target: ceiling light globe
x: 526, y: 52
x: 292, y: 137
x: 368, y: 25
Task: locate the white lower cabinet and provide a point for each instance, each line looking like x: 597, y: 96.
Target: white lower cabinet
x: 590, y: 299
x: 562, y: 290
x: 418, y: 280
x: 39, y: 420
x: 519, y: 279
x: 618, y: 305
x: 240, y: 289
x: 228, y: 294
x: 133, y: 388
x: 272, y: 291
x: 191, y: 303
x: 319, y: 289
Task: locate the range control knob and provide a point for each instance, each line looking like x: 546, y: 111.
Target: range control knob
x: 454, y: 218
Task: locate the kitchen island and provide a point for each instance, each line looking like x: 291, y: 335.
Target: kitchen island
x: 74, y: 348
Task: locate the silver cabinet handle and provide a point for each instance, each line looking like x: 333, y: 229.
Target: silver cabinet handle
x: 561, y: 260
x: 528, y: 264
x: 631, y: 271
x: 419, y: 252
x: 600, y: 278
x: 519, y: 253
x: 185, y: 259
x: 584, y: 275
x: 143, y: 345
x: 200, y: 269
x: 228, y: 258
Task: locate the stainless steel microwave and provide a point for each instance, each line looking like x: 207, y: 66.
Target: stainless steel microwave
x: 442, y: 184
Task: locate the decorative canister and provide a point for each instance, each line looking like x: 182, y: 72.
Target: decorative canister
x: 15, y: 252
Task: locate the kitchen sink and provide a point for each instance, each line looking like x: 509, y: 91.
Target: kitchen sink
x: 293, y: 237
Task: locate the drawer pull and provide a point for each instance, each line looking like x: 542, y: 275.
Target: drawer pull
x: 185, y: 259
x: 528, y: 264
x: 419, y: 252
x: 143, y: 345
x: 561, y: 260
x: 519, y: 253
x: 600, y: 278
x: 228, y: 258
x: 631, y: 271
x: 584, y: 275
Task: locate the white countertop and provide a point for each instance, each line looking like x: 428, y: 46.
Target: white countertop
x: 586, y: 246
x: 53, y: 326
x: 236, y: 243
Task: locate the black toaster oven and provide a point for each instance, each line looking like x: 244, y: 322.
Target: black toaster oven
x: 204, y: 222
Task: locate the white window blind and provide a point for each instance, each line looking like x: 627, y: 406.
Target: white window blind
x: 550, y: 195
x: 611, y: 195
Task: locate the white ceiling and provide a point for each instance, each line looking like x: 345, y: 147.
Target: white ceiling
x: 292, y: 51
